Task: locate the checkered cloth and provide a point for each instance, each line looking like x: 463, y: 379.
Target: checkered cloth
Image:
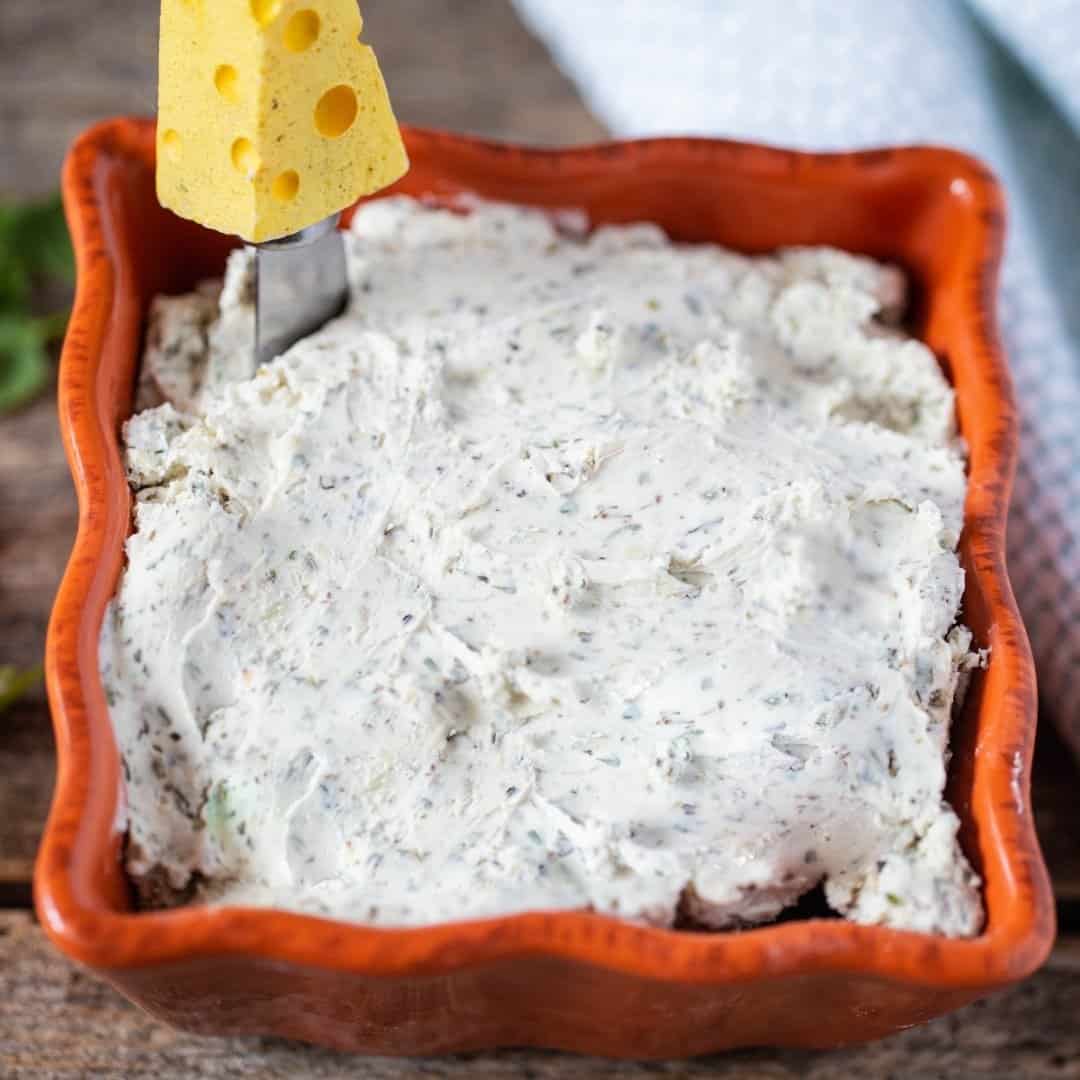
x: 1000, y: 78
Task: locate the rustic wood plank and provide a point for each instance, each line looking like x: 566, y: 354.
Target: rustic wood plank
x: 27, y: 769
x: 37, y: 525
x: 1055, y: 788
x: 465, y: 64
x: 59, y: 1023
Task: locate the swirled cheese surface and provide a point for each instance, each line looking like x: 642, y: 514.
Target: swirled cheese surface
x: 561, y: 572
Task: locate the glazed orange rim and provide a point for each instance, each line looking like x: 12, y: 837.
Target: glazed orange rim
x: 91, y: 922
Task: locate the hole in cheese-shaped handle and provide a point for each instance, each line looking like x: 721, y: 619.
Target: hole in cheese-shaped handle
x: 227, y: 82
x: 266, y: 11
x: 302, y: 31
x: 245, y: 157
x: 336, y: 111
x: 286, y: 187
x: 171, y: 143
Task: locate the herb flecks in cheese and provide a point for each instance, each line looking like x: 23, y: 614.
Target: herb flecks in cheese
x: 561, y: 572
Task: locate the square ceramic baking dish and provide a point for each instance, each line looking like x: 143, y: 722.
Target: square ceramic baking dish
x: 575, y: 981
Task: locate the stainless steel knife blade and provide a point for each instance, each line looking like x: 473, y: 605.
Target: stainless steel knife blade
x: 301, y: 283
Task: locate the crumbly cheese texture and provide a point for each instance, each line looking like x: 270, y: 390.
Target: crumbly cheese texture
x: 562, y: 572
x: 272, y: 115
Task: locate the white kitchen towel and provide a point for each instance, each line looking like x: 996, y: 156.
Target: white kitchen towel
x: 999, y: 78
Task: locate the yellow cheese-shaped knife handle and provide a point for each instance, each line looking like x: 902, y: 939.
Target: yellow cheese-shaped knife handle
x: 271, y: 115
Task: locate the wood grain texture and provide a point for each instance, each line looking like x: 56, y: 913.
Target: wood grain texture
x: 1055, y: 789
x: 58, y: 1024
x: 465, y: 64
x: 27, y: 765
x: 37, y: 524
x: 38, y: 516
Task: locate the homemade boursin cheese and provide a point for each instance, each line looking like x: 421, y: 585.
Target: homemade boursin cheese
x: 559, y: 573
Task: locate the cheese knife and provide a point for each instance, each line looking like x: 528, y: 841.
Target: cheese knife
x: 272, y: 118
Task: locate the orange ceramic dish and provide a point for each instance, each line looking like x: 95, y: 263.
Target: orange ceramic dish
x: 576, y: 981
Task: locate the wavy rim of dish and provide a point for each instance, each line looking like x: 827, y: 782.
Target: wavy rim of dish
x: 81, y: 831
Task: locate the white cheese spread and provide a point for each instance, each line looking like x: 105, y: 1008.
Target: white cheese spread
x: 561, y: 572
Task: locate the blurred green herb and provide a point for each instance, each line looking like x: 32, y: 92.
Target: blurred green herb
x: 35, y: 252
x: 15, y: 684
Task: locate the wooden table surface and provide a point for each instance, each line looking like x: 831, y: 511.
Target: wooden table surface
x: 465, y: 64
